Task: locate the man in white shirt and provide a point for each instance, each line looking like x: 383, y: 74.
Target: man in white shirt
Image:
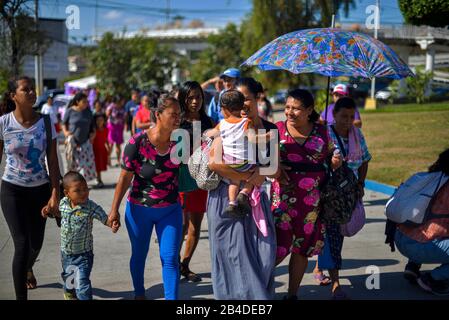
x: 51, y: 110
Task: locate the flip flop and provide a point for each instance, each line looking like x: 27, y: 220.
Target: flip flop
x: 321, y: 279
x: 189, y: 275
x: 340, y: 295
x: 31, y: 281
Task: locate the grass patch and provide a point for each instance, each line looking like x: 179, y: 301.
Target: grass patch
x: 410, y: 107
x: 403, y: 143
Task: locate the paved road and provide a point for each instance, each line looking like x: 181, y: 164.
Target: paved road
x: 111, y: 278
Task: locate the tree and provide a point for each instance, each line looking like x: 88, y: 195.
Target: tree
x: 110, y: 62
x: 270, y: 19
x: 419, y: 84
x: 152, y: 64
x: 224, y: 51
x: 121, y: 64
x: 424, y: 12
x: 18, y: 34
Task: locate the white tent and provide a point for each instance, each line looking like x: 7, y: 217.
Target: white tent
x: 82, y: 83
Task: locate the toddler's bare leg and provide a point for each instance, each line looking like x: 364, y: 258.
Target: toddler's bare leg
x: 233, y: 191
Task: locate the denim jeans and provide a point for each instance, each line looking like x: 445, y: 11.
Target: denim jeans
x: 76, y: 274
x: 436, y: 251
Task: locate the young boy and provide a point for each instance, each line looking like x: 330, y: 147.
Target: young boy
x: 77, y: 215
x: 236, y: 135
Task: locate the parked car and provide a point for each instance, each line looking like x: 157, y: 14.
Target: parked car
x: 62, y: 101
x: 279, y: 97
x: 41, y: 100
x: 384, y: 94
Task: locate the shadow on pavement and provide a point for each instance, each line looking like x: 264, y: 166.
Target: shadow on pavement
x: 392, y: 286
x: 347, y: 264
x: 187, y: 290
x: 374, y: 220
x: 377, y: 202
x: 55, y: 285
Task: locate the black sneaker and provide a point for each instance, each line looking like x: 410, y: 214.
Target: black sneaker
x: 233, y: 211
x: 243, y: 204
x: 411, y: 272
x: 429, y: 284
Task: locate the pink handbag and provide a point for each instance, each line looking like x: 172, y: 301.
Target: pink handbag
x: 356, y: 223
x: 258, y: 214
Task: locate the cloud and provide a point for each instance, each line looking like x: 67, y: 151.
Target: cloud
x: 134, y: 21
x: 113, y: 15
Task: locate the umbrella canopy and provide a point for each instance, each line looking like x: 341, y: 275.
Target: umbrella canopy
x: 330, y: 52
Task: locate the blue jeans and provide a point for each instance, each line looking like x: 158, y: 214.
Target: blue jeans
x: 168, y: 222
x: 76, y: 274
x: 436, y: 251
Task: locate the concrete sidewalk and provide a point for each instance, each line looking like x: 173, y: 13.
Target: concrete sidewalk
x: 111, y: 277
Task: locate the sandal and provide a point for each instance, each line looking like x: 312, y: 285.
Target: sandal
x: 322, y: 279
x: 189, y: 275
x: 339, y: 295
x: 31, y: 281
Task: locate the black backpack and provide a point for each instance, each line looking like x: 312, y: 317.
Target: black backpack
x: 340, y: 193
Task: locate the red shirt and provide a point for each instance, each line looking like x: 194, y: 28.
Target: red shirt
x: 143, y: 115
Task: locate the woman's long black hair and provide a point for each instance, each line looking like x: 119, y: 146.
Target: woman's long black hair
x: 76, y: 99
x: 7, y: 104
x: 183, y: 93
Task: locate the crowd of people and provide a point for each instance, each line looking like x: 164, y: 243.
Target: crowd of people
x: 254, y: 220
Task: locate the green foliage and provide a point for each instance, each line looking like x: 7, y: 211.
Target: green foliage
x: 419, y: 84
x: 416, y: 88
x: 110, y: 64
x: 424, y: 12
x: 151, y: 64
x: 4, y: 76
x: 224, y: 52
x: 320, y: 100
x: 121, y: 64
x: 18, y: 35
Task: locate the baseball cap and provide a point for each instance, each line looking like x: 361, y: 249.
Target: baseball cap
x: 341, y: 89
x: 231, y: 73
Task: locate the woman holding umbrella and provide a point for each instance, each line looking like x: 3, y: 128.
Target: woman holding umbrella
x: 304, y: 147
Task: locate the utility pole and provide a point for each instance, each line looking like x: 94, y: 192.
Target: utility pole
x: 96, y: 20
x: 167, y: 15
x: 376, y: 26
x: 37, y: 57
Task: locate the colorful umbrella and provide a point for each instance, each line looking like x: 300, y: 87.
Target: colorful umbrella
x: 331, y: 52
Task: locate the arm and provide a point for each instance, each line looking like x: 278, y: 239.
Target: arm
x: 1, y: 150
x: 358, y: 123
x: 212, y: 133
x: 52, y: 206
x: 223, y: 169
x: 363, y: 171
x: 65, y: 124
x: 142, y: 125
x: 123, y: 184
x: 126, y: 119
x: 205, y: 84
x: 133, y: 127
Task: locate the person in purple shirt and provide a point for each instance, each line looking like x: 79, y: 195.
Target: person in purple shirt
x: 340, y: 90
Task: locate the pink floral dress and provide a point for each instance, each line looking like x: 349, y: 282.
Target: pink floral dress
x: 295, y: 206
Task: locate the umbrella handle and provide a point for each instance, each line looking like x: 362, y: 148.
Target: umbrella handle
x: 327, y: 99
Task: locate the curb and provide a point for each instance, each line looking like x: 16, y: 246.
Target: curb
x: 380, y: 187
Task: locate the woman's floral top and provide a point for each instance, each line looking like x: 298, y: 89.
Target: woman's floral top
x: 155, y: 182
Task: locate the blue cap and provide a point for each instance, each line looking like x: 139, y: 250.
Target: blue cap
x: 231, y: 73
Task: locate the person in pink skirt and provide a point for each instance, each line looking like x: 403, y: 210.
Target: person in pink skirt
x: 116, y: 115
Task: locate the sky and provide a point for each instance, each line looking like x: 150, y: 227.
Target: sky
x: 115, y: 15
